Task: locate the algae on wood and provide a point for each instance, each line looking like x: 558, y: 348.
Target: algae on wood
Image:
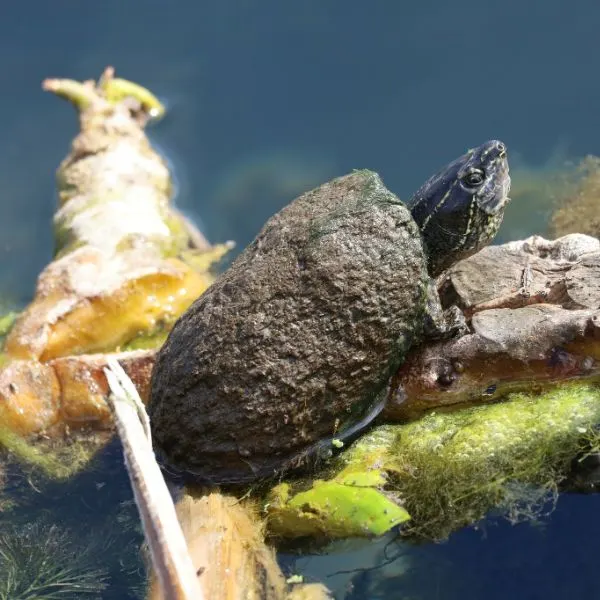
x: 448, y: 470
x: 118, y: 271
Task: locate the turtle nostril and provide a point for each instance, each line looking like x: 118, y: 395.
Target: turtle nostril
x: 446, y: 380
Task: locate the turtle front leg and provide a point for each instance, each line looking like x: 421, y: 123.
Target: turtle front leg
x: 442, y: 324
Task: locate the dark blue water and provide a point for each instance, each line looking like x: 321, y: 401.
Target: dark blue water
x: 270, y: 98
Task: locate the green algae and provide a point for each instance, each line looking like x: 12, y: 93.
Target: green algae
x: 148, y: 340
x: 6, y: 323
x: 40, y: 561
x: 450, y: 469
x: 58, y: 462
x: 335, y: 509
x: 116, y: 90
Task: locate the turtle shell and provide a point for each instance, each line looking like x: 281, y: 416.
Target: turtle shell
x: 291, y: 348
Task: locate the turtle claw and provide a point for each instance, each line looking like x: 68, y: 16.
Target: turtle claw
x: 440, y: 324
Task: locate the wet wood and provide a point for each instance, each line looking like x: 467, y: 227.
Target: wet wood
x: 68, y: 393
x: 127, y: 264
x: 119, y: 268
x: 227, y: 550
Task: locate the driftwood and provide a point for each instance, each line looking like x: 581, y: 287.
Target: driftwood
x: 534, y: 310
x: 120, y: 266
x: 126, y: 264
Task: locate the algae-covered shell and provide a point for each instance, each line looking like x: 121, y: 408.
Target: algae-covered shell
x: 292, y: 346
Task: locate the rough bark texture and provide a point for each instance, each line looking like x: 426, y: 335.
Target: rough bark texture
x: 550, y: 331
x: 564, y: 271
x: 292, y: 346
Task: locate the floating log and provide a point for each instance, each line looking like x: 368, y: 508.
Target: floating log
x: 127, y: 264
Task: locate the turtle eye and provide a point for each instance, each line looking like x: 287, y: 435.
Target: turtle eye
x: 473, y: 178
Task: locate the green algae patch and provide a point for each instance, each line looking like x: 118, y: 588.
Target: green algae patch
x: 116, y: 90
x: 452, y: 469
x: 349, y: 507
x: 6, y: 322
x: 55, y: 461
x: 148, y: 341
x: 449, y: 470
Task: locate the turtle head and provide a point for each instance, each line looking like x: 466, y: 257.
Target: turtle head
x: 459, y: 210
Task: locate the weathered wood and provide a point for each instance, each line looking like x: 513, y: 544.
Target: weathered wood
x: 227, y: 550
x: 127, y: 265
x: 170, y: 556
x: 510, y: 349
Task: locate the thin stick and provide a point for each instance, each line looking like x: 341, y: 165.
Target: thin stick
x: 168, y: 549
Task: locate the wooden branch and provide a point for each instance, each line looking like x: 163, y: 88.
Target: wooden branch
x: 168, y: 549
x: 513, y: 345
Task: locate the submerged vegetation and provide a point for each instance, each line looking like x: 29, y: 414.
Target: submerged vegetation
x: 56, y: 460
x: 41, y: 562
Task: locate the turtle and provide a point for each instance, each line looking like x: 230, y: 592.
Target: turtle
x: 289, y: 353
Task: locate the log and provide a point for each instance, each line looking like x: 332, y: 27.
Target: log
x: 534, y: 308
x: 521, y: 338
x: 127, y: 264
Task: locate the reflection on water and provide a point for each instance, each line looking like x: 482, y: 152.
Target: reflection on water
x: 269, y: 99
